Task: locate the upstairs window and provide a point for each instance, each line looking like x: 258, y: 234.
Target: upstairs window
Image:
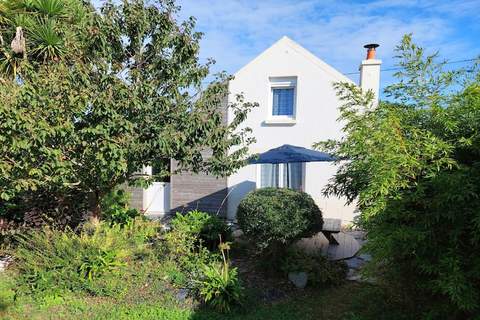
x: 282, y: 102
x: 283, y: 99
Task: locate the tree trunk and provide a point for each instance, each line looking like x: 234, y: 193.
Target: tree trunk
x: 95, y: 209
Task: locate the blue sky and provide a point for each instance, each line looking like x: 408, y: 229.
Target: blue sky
x: 238, y: 30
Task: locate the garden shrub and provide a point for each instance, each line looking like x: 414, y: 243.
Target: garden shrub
x: 206, y: 227
x: 115, y: 208
x: 191, y: 264
x: 274, y: 218
x: 321, y: 271
x: 429, y: 243
x: 186, y: 250
x: 200, y: 269
x: 92, y: 260
x: 413, y: 171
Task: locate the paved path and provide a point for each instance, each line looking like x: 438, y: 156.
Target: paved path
x: 347, y: 246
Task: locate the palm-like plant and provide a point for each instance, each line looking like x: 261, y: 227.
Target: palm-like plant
x: 3, y: 9
x: 9, y: 63
x: 50, y: 28
x: 50, y: 8
x: 45, y: 42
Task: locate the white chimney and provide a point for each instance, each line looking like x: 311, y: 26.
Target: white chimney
x: 370, y: 71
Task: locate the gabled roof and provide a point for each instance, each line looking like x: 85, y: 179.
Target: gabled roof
x: 286, y: 41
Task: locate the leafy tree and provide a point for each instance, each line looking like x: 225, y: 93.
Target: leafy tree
x: 72, y: 130
x: 412, y: 165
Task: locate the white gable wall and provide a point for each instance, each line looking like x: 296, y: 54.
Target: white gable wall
x: 316, y: 118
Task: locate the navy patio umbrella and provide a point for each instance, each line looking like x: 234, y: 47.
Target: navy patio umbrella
x: 288, y: 153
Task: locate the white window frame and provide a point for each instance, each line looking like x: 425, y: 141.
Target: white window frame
x: 281, y: 83
x: 281, y: 183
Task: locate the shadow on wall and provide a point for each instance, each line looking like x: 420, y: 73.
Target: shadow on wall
x: 214, y: 203
x: 220, y: 202
x: 236, y: 194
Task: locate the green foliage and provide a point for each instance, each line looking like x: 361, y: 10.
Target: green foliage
x: 274, y: 218
x: 220, y: 286
x: 413, y: 170
x: 125, y: 263
x: 189, y: 255
x: 50, y: 260
x: 175, y: 275
x: 115, y: 208
x: 208, y: 228
x: 192, y: 244
x: 72, y: 129
x: 192, y: 265
x: 98, y: 263
x: 321, y: 271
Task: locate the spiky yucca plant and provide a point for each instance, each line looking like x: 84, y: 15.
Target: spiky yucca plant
x: 52, y: 29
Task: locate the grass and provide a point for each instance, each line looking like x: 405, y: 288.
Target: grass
x: 350, y: 301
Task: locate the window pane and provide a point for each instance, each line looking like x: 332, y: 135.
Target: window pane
x: 293, y: 175
x: 283, y: 102
x: 269, y: 175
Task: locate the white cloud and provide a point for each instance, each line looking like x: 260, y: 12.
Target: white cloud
x: 238, y: 30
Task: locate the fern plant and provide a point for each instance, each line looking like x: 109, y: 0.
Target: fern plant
x: 51, y: 259
x: 103, y: 261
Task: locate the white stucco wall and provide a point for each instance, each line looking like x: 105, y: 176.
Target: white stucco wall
x: 316, y: 118
x: 156, y: 199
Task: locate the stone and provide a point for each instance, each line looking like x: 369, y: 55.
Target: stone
x: 354, y: 263
x: 4, y: 262
x: 166, y: 227
x: 365, y: 257
x: 237, y: 233
x: 299, y: 279
x: 182, y: 294
x: 354, y: 277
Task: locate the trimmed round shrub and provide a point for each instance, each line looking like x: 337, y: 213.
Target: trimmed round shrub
x: 274, y: 218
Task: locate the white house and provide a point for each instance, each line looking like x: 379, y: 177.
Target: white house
x: 297, y: 106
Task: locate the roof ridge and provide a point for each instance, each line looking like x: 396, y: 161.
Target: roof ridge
x: 305, y: 53
x: 316, y: 60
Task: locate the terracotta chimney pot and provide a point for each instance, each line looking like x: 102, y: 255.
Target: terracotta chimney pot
x: 371, y: 50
